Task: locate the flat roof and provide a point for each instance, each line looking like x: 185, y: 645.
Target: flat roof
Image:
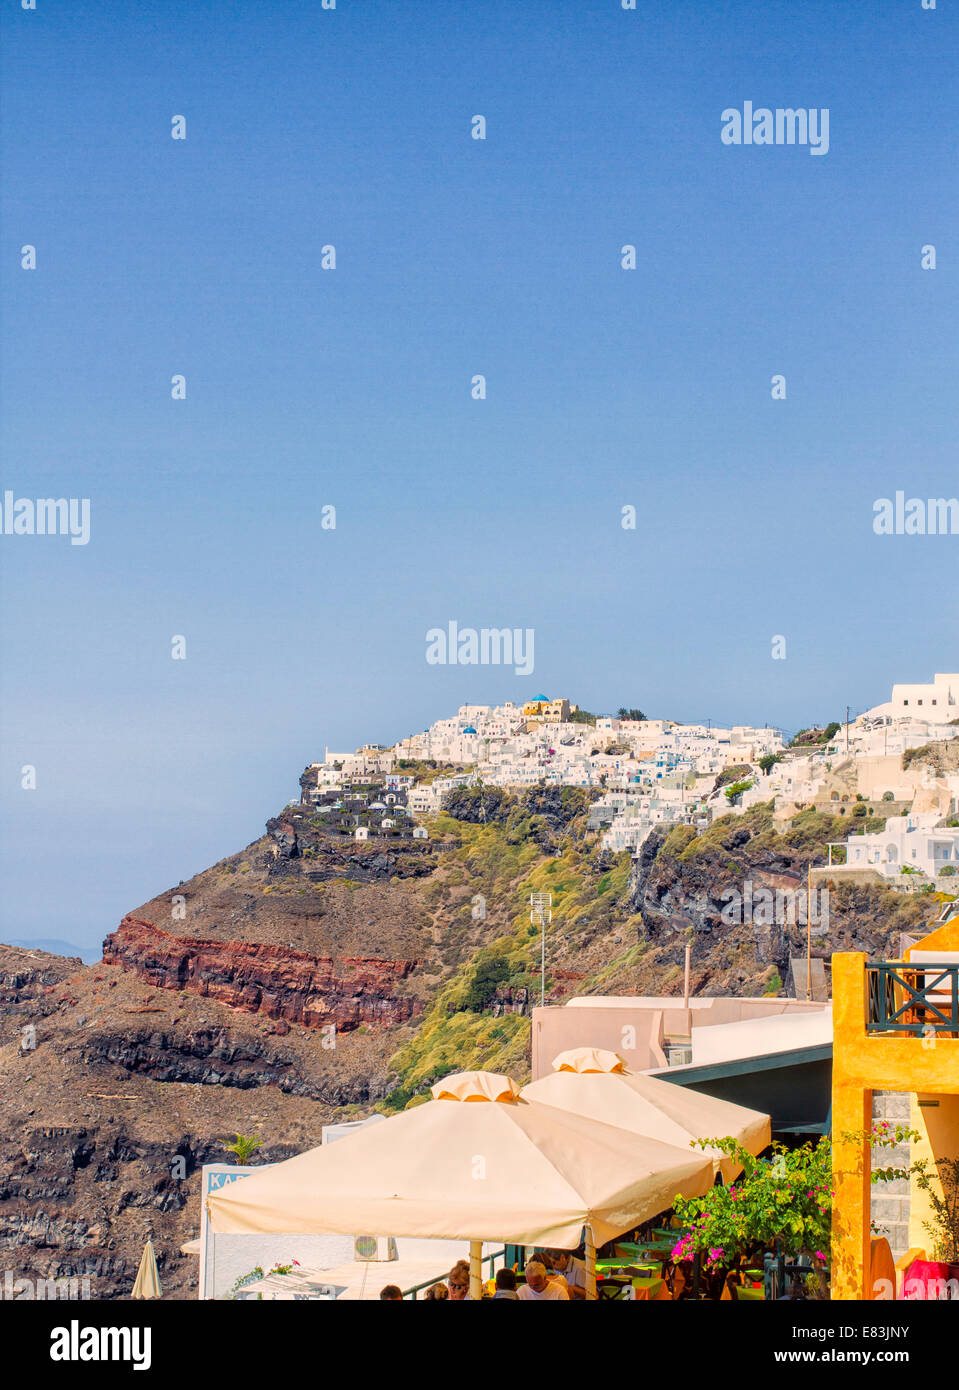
x: 762, y: 1042
x: 675, y: 1001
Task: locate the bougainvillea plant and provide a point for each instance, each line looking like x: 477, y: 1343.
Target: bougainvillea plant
x: 785, y: 1200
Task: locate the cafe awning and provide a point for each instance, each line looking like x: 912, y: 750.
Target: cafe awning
x: 597, y: 1085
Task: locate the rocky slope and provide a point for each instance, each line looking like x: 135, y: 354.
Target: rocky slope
x: 125, y: 1091
x: 685, y: 888
x: 210, y: 1013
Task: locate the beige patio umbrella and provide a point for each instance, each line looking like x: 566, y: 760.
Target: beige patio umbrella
x: 505, y: 1170
x: 147, y: 1282
x: 585, y: 1081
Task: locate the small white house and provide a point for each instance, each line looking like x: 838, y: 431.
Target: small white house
x: 362, y: 832
x: 907, y: 842
x: 387, y: 823
x: 421, y: 833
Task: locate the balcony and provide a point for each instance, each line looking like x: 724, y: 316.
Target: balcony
x: 919, y: 1000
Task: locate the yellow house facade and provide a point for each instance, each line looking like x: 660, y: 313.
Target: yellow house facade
x: 890, y: 1033
x: 549, y: 711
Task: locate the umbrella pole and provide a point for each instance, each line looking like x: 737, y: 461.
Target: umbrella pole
x: 590, y: 1253
x: 476, y: 1270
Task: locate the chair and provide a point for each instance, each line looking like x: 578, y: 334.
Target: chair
x: 608, y: 1289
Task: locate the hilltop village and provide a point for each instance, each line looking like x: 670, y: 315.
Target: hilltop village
x: 897, y: 761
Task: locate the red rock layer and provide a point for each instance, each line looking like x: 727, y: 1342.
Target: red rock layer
x: 272, y: 980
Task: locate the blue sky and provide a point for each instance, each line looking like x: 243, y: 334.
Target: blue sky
x: 352, y: 388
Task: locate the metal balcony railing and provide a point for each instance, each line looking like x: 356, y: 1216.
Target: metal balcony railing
x: 914, y: 999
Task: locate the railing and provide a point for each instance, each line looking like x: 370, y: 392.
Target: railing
x: 916, y: 999
x: 441, y: 1278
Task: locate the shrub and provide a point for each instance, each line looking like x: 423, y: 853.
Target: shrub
x: 490, y: 970
x: 736, y: 789
x: 244, y: 1147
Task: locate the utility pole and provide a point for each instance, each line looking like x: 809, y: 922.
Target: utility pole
x: 847, y: 731
x: 541, y: 905
x: 809, y: 931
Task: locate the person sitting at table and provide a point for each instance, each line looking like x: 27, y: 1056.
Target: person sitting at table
x: 538, y: 1286
x: 505, y: 1284
x: 458, y: 1282
x: 573, y: 1271
x: 391, y: 1293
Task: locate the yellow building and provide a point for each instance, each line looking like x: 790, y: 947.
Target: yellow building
x: 548, y: 711
x: 533, y: 709
x: 893, y: 1030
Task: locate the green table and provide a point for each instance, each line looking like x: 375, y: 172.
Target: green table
x: 745, y: 1294
x: 647, y: 1288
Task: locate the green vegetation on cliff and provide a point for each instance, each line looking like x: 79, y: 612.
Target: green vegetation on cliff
x: 503, y: 864
x: 503, y: 846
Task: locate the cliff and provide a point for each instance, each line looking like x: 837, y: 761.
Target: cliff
x: 118, y: 1081
x: 277, y: 981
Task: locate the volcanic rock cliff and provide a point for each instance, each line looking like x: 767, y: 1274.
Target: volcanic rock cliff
x: 210, y: 1013
x: 114, y: 1092
x: 273, y: 980
x: 690, y: 889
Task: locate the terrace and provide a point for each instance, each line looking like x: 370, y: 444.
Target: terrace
x: 896, y: 1028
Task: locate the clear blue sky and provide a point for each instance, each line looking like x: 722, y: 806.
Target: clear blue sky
x: 352, y: 387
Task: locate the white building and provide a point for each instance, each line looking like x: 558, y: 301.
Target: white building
x: 938, y: 703
x: 913, y: 842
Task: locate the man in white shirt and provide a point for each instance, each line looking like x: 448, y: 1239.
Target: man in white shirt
x: 572, y: 1270
x: 537, y: 1285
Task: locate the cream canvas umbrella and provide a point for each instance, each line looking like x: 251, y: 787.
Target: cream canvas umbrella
x: 508, y: 1169
x: 596, y: 1084
x: 147, y: 1282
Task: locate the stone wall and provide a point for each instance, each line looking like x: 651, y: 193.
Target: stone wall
x: 890, y: 1200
